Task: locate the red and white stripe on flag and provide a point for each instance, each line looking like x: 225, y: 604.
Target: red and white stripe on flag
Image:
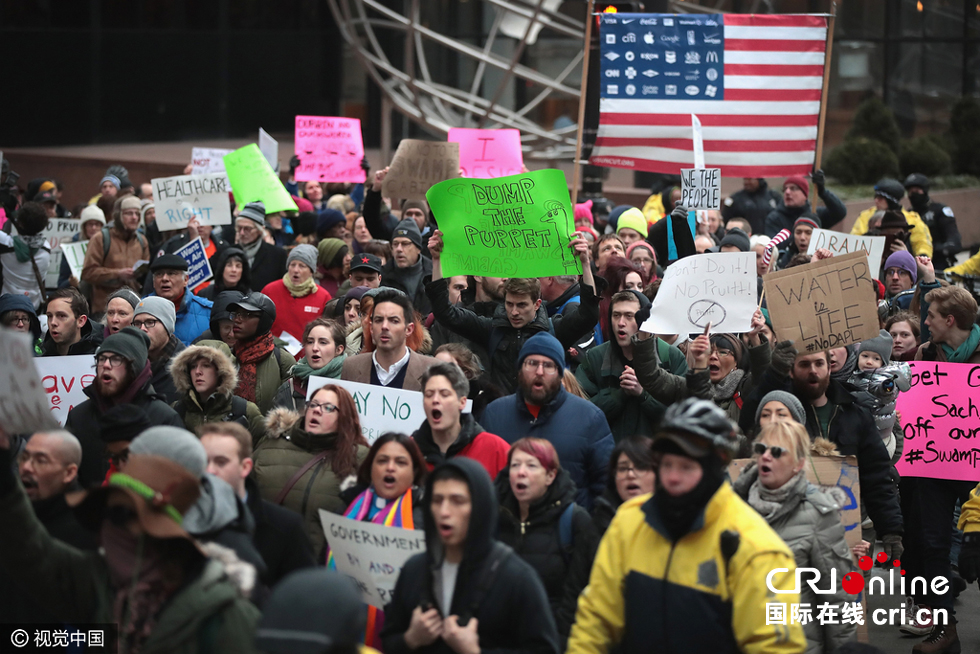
x: 766, y: 126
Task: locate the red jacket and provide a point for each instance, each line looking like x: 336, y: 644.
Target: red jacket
x: 489, y: 450
x: 293, y: 314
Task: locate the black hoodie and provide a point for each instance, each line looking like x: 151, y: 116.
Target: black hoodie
x: 219, y: 261
x: 513, y: 614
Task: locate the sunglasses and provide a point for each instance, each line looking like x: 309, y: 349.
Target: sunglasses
x: 775, y: 450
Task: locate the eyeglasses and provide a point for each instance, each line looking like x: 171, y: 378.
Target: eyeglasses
x: 622, y: 471
x: 245, y: 229
x: 120, y: 516
x: 724, y: 353
x: 244, y: 315
x: 775, y: 450
x: 548, y: 366
x: 325, y: 407
x: 110, y: 360
x: 150, y: 323
x: 17, y: 320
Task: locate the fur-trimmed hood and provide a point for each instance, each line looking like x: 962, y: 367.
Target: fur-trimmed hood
x: 220, y: 358
x: 280, y: 422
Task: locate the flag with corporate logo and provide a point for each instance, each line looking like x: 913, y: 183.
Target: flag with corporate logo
x: 755, y: 82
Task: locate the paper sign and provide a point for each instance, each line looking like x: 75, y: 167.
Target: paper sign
x: 941, y: 421
x: 180, y: 199
x: 514, y: 226
x: 252, y: 179
x: 840, y: 243
x: 63, y: 379
x: 717, y: 288
x: 371, y: 555
x: 487, y: 153
x: 270, y: 148
x: 208, y: 160
x: 198, y: 267
x: 381, y: 409
x: 24, y: 408
x: 701, y: 188
x: 75, y: 254
x: 823, y: 305
x: 417, y: 166
x: 330, y: 149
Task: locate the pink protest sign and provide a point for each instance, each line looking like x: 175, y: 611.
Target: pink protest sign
x: 329, y: 149
x: 486, y: 153
x: 941, y: 421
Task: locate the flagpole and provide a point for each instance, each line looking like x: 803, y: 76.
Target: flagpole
x: 576, y: 167
x: 818, y: 155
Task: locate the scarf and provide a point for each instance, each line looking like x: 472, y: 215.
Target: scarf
x: 767, y: 501
x: 249, y: 355
x: 302, y: 370
x: 844, y: 373
x: 679, y: 514
x: 166, y: 354
x: 725, y: 389
x: 299, y: 290
x: 25, y: 247
x: 251, y: 250
x: 963, y: 353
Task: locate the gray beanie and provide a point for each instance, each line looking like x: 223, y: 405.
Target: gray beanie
x: 306, y: 254
x: 174, y: 443
x: 788, y: 400
x: 160, y: 308
x: 127, y: 294
x: 409, y: 229
x: 254, y: 211
x: 880, y: 345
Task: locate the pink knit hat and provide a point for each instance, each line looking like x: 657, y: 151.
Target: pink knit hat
x: 653, y: 253
x: 584, y: 210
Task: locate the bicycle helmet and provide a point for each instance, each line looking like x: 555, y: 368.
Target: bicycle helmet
x: 700, y: 428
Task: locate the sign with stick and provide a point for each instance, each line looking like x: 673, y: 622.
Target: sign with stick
x: 180, y: 199
x: 701, y: 188
x: 198, y: 266
x: 823, y: 305
x: 515, y: 226
x: 330, y: 149
x: 417, y: 166
x: 252, y: 179
x: 487, y: 153
x: 839, y: 243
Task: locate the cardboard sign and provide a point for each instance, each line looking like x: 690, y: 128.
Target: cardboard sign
x: 252, y: 179
x: 516, y: 226
x: 487, y: 153
x: 180, y: 199
x: 381, y: 409
x: 74, y: 253
x: 63, y: 380
x: 330, y: 149
x: 371, y: 555
x: 825, y: 304
x: 701, y: 188
x: 941, y: 421
x: 24, y: 407
x: 270, y: 148
x: 717, y: 288
x: 208, y: 160
x: 417, y: 166
x: 840, y: 243
x: 198, y: 266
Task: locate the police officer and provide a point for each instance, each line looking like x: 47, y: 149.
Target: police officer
x: 940, y: 219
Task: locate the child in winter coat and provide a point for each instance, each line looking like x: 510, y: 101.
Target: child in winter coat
x: 883, y: 380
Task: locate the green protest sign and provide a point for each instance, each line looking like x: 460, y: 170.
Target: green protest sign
x: 515, y: 226
x: 252, y: 179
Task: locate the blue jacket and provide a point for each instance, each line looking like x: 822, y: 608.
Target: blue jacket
x: 193, y: 317
x: 576, y: 427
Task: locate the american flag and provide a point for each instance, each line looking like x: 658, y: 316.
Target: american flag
x: 754, y: 81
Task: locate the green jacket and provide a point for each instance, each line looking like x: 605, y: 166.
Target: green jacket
x: 659, y: 380
x: 269, y: 375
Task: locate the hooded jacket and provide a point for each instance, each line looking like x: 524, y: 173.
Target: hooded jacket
x: 563, y: 569
x: 18, y: 276
x: 91, y: 338
x: 162, y: 381
x: 218, y: 408
x: 286, y: 448
x: 280, y: 536
x: 513, y: 614
x: 220, y: 516
x: 270, y: 373
x: 218, y: 263
x: 22, y: 303
x: 489, y: 450
x: 576, y: 427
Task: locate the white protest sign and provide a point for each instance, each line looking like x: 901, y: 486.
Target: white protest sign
x: 63, y: 379
x: 717, y: 288
x: 179, y: 199
x: 371, y: 555
x: 270, y: 148
x: 24, y: 408
x: 382, y: 409
x: 701, y: 188
x: 198, y: 266
x: 74, y: 253
x: 207, y: 160
x: 840, y: 243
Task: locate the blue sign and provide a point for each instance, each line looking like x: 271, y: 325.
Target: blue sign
x: 198, y: 267
x: 662, y: 56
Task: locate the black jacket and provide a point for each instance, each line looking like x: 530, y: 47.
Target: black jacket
x: 604, y: 509
x: 946, y: 240
x: 394, y: 277
x: 754, y: 207
x: 162, y: 380
x: 783, y: 217
x: 563, y: 568
x: 92, y: 336
x: 383, y: 226
x: 269, y: 266
x: 280, y: 536
x: 513, y: 611
x: 218, y: 263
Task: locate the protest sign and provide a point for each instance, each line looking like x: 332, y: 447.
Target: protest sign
x: 180, y: 199
x: 252, y: 179
x: 63, y: 379
x: 74, y: 253
x: 487, y: 153
x: 941, y: 421
x: 24, y: 409
x: 417, y: 166
x: 701, y: 188
x: 330, y: 149
x: 823, y: 305
x: 381, y: 409
x: 198, y: 266
x: 514, y: 226
x: 839, y: 243
x: 717, y: 288
x: 371, y: 555
x: 208, y: 160
x: 270, y: 148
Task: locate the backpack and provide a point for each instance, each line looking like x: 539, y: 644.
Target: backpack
x: 566, y: 538
x: 239, y: 408
x: 107, y: 238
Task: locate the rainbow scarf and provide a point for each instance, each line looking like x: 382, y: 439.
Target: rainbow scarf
x: 395, y: 514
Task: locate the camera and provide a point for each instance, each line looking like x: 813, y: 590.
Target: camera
x: 886, y: 382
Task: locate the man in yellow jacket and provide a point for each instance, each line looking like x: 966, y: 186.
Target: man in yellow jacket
x: 689, y: 568
x: 969, y: 561
x: 888, y: 195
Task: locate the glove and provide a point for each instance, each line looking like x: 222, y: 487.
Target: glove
x: 365, y: 164
x: 679, y: 212
x: 782, y: 358
x: 819, y: 179
x: 969, y: 561
x: 293, y: 164
x: 892, y: 544
x: 642, y: 315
